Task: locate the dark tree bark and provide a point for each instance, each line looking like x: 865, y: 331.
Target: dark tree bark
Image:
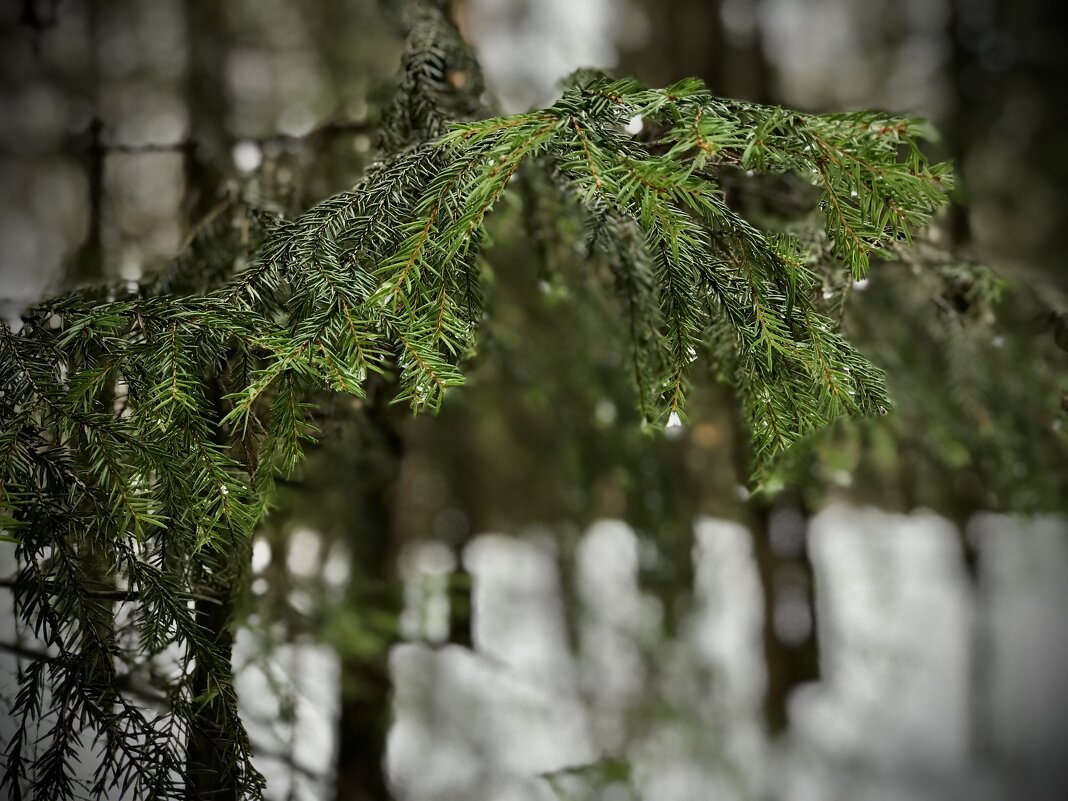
x: 786, y: 576
x: 206, y: 38
x: 210, y: 778
x: 213, y: 756
x: 366, y: 686
x: 689, y: 37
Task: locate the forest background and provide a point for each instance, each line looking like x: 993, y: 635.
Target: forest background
x: 124, y: 122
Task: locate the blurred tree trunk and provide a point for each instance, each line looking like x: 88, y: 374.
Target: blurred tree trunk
x: 366, y: 691
x: 206, y: 34
x: 786, y: 578
x: 88, y: 263
x: 964, y: 127
x: 962, y: 72
x: 690, y: 37
x: 221, y: 576
x: 1006, y: 71
x: 208, y: 146
x: 206, y: 759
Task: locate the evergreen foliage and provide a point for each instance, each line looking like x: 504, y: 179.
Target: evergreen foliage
x: 143, y: 428
x: 977, y: 379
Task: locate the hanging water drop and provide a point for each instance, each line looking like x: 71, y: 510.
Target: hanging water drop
x: 674, y: 428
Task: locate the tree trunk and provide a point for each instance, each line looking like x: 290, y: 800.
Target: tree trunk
x: 690, y: 37
x: 366, y: 688
x: 786, y: 576
x: 209, y: 759
x: 215, y: 757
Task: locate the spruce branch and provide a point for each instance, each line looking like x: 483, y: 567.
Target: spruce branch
x: 143, y: 429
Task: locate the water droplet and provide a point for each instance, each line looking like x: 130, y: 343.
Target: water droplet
x: 224, y: 489
x: 674, y: 428
x: 634, y: 125
x: 860, y: 284
x: 827, y: 294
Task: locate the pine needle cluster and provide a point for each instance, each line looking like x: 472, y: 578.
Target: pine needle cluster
x: 142, y: 429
